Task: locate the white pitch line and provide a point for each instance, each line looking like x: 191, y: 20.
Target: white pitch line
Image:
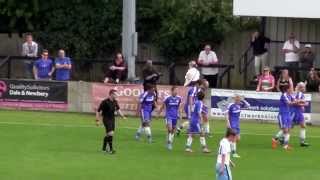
x: 124, y: 127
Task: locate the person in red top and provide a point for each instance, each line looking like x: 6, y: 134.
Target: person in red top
x: 117, y: 71
x: 266, y: 81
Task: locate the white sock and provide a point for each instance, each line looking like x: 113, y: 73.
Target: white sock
x: 286, y: 138
x: 140, y: 130
x: 185, y: 124
x: 207, y: 128
x: 302, y: 135
x: 147, y: 130
x: 189, y: 142
x: 203, y: 141
x: 279, y: 134
x: 234, y: 147
x: 170, y: 137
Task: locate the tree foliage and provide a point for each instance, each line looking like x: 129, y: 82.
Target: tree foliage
x: 92, y: 28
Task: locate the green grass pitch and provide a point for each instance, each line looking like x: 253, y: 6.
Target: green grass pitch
x: 66, y: 146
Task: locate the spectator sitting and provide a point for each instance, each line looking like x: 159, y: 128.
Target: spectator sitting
x: 206, y: 58
x: 29, y: 48
x: 284, y: 81
x: 291, y: 49
x: 117, y: 71
x: 306, y: 60
x: 313, y: 81
x: 266, y: 81
x: 149, y: 74
x: 43, y: 68
x: 192, y: 74
x: 259, y: 44
x: 63, y: 66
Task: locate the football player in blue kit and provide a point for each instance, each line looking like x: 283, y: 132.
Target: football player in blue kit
x: 145, y: 108
x: 233, y: 120
x: 287, y: 101
x: 297, y: 112
x: 172, y: 105
x: 195, y: 123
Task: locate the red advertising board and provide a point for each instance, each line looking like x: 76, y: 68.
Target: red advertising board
x: 128, y: 94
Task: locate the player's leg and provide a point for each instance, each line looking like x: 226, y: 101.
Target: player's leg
x: 147, y: 127
x: 184, y: 124
x: 225, y: 175
x: 169, y: 135
x: 206, y: 125
x: 303, y: 142
x: 286, y: 135
x: 203, y: 142
x: 189, y: 142
x: 234, y: 144
x: 141, y: 127
x: 278, y: 137
x: 105, y: 139
x: 110, y: 142
x: 191, y: 131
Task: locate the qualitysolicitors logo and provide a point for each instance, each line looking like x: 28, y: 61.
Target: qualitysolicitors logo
x: 3, y: 88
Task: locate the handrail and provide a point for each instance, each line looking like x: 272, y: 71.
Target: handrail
x: 243, y: 56
x: 302, y: 42
x: 171, y: 66
x: 4, y: 61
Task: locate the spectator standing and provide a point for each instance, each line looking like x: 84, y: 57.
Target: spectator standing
x: 150, y: 75
x: 29, y: 49
x: 266, y: 81
x: 285, y: 81
x: 307, y: 57
x: 207, y: 57
x: 117, y: 71
x: 192, y: 75
x: 291, y: 50
x: 63, y: 66
x: 313, y: 81
x: 260, y: 45
x: 43, y: 68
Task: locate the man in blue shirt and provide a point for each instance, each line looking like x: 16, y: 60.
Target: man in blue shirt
x: 63, y: 66
x: 43, y: 68
x: 172, y: 104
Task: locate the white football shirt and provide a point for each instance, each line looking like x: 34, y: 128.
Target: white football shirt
x: 224, y: 149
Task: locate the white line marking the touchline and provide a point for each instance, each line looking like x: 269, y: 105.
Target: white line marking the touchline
x: 123, y: 127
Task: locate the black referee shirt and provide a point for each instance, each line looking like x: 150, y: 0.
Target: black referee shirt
x: 108, y: 107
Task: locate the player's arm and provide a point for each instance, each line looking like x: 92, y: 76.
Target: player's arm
x: 245, y: 104
x: 35, y: 72
x: 232, y: 163
x: 190, y: 105
x: 98, y: 114
x: 180, y: 110
x: 121, y: 114
x: 200, y: 114
x: 228, y: 120
x: 223, y: 160
x: 162, y: 106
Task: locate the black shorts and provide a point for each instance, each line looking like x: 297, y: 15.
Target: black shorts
x: 109, y: 125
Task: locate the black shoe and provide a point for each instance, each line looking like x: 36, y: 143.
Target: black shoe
x: 178, y: 132
x: 304, y: 144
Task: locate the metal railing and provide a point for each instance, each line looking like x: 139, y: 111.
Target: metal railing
x: 84, y: 66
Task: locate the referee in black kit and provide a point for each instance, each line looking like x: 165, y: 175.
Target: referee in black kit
x: 106, y: 110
